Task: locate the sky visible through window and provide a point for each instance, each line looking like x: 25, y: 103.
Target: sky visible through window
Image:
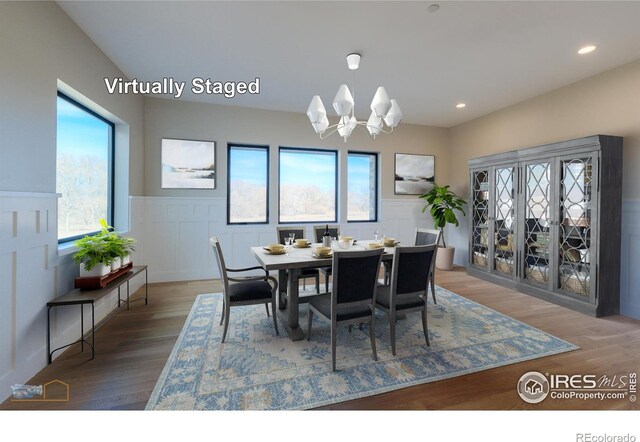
x: 247, y: 184
x: 361, y: 187
x: 82, y: 173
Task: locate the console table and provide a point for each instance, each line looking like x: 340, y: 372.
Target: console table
x: 82, y: 298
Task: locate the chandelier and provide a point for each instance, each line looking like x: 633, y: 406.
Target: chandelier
x: 384, y: 111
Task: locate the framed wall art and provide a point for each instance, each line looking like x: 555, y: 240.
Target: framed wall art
x: 414, y: 174
x: 188, y: 164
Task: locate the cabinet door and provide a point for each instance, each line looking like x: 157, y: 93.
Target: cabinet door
x: 479, y: 247
x: 504, y: 220
x: 575, y: 223
x: 536, y: 214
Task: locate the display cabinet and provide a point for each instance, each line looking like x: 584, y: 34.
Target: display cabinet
x: 546, y: 221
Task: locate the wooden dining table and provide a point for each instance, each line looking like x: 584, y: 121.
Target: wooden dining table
x: 289, y: 266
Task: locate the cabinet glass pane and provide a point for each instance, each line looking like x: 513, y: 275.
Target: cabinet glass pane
x: 574, y: 234
x: 480, y: 198
x: 537, y: 209
x: 504, y: 217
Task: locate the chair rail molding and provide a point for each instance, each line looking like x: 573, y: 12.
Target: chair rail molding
x: 630, y: 262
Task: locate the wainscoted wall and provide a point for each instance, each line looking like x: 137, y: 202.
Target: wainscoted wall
x: 630, y: 253
x: 177, y: 229
x: 31, y: 274
x: 630, y: 277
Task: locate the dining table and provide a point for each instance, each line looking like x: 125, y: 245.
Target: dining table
x: 289, y: 266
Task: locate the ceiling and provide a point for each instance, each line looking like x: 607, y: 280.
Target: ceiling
x: 488, y: 55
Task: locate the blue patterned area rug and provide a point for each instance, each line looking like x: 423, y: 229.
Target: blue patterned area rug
x: 257, y: 370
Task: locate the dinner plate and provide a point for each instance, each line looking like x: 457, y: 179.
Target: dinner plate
x: 315, y: 255
x: 394, y: 244
x: 302, y: 247
x: 282, y: 252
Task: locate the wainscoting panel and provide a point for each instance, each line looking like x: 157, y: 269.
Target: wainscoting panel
x: 31, y: 274
x: 177, y: 230
x: 630, y: 277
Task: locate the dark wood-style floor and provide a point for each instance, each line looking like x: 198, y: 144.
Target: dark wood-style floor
x: 133, y: 346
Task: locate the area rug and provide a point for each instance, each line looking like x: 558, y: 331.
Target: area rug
x: 256, y: 370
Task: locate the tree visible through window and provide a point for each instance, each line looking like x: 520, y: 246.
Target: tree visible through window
x: 362, y: 184
x: 84, y: 172
x: 247, y: 184
x: 308, y: 185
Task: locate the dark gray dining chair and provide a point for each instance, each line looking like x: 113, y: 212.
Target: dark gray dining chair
x: 306, y: 273
x: 407, y: 290
x: 425, y: 237
x: 318, y: 232
x: 248, y: 290
x: 353, y: 295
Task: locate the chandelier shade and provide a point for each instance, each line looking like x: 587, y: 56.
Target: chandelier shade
x: 383, y: 111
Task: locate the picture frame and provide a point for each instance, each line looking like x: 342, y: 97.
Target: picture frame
x: 414, y: 174
x: 188, y: 164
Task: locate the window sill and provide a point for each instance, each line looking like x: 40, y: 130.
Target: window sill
x: 66, y: 248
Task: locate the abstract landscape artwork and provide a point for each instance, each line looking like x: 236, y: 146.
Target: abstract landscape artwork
x: 188, y: 164
x: 414, y: 174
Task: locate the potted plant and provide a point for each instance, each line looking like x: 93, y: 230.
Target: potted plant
x: 443, y: 204
x: 104, y: 252
x: 93, y: 255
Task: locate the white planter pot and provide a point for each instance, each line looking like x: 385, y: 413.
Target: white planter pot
x: 444, y: 258
x: 116, y: 264
x: 97, y: 271
x: 126, y: 260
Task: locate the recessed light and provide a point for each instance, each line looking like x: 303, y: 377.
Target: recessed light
x: 586, y: 49
x: 461, y: 105
x: 433, y: 8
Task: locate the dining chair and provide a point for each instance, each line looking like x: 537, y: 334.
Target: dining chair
x: 306, y: 273
x: 248, y: 290
x: 318, y: 232
x: 426, y: 237
x: 407, y: 291
x: 353, y: 295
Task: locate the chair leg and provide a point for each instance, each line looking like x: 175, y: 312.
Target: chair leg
x: 326, y: 283
x: 226, y: 322
x: 424, y: 326
x: 318, y: 283
x: 433, y: 289
x: 275, y: 317
x: 372, y: 333
x: 309, y: 320
x: 266, y: 307
x: 392, y: 329
x: 222, y: 315
x: 333, y: 348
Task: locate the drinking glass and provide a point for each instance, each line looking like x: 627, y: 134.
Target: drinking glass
x: 292, y: 238
x: 376, y: 235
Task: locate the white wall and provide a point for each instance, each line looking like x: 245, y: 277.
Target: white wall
x: 41, y: 49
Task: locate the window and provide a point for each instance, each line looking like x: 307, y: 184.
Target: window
x: 362, y: 186
x: 308, y: 185
x: 84, y: 169
x: 247, y: 184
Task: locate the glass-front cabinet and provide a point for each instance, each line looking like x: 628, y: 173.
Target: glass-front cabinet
x: 536, y: 224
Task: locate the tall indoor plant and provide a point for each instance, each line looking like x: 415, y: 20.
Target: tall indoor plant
x: 443, y: 204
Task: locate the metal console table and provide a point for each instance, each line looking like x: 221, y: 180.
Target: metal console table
x: 81, y: 298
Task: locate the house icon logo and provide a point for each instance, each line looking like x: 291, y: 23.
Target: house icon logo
x: 533, y: 387
x: 53, y: 391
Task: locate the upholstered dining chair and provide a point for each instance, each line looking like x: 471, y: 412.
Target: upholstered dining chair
x: 306, y: 273
x: 318, y: 232
x: 247, y: 290
x: 425, y: 237
x: 353, y: 295
x: 407, y: 290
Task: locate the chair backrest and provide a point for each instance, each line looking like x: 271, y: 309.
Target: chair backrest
x: 425, y: 237
x: 319, y: 231
x: 222, y: 268
x: 283, y: 232
x: 411, y: 269
x: 355, y: 276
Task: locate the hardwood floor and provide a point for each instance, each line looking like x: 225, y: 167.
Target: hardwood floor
x: 133, y: 346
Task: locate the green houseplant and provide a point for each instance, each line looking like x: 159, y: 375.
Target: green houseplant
x: 443, y: 204
x: 102, y: 252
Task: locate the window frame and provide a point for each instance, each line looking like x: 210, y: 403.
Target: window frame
x: 335, y: 152
x: 111, y: 166
x: 376, y: 156
x: 266, y: 148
